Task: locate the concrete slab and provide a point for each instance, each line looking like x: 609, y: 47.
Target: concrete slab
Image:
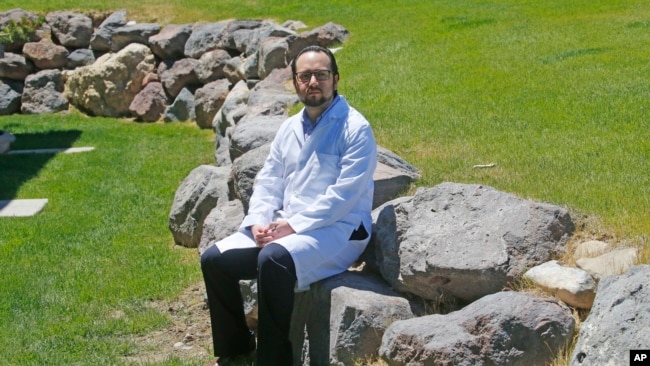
x: 69, y: 150
x: 21, y: 208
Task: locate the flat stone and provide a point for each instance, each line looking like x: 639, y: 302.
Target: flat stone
x: 69, y: 150
x: 615, y: 262
x: 21, y: 208
x: 590, y: 249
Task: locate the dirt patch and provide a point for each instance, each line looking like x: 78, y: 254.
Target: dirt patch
x: 189, y: 335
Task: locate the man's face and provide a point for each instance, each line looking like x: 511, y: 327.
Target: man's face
x: 315, y: 93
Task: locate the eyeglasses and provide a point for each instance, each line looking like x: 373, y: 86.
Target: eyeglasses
x: 305, y: 76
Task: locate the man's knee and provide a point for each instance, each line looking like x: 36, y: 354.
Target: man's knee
x: 210, y: 257
x: 277, y: 255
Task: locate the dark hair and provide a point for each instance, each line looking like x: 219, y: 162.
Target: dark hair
x: 315, y: 48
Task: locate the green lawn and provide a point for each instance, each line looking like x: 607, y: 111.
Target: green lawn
x: 555, y: 93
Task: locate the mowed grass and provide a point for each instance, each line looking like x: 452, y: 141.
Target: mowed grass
x: 554, y: 93
x: 77, y: 277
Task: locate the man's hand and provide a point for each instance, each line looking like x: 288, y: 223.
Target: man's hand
x: 266, y: 234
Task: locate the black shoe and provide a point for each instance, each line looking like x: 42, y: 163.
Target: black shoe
x: 239, y: 360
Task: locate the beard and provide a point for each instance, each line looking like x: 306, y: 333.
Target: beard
x: 315, y: 100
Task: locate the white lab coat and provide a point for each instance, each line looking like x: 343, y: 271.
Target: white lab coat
x: 323, y: 186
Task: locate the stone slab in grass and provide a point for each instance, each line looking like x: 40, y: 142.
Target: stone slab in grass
x: 69, y: 150
x: 21, y: 208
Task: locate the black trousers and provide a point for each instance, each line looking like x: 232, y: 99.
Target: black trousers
x: 276, y: 277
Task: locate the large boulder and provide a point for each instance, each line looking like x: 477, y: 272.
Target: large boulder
x: 43, y: 93
x: 618, y: 321
x: 206, y: 37
x: 221, y: 222
x: 345, y: 318
x: 198, y: 194
x: 464, y: 240
x: 244, y: 171
x: 70, y: 29
x: 271, y: 55
x: 169, y: 44
x: 107, y: 87
x: 101, y: 39
x: 46, y: 55
x: 506, y: 328
x: 255, y: 129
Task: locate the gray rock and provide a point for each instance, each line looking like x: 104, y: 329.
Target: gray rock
x: 182, y: 109
x: 169, y: 44
x: 249, y: 67
x: 244, y: 170
x: 79, y: 57
x: 233, y: 109
x: 618, y: 321
x: 197, y: 195
x: 43, y: 93
x: 10, y: 94
x: 206, y: 37
x: 135, y: 33
x: 275, y: 92
x: 465, y: 240
x: 328, y: 35
x: 271, y: 55
x: 222, y: 221
x: 389, y: 183
x: 348, y: 315
x: 294, y: 25
x: 222, y: 148
x: 178, y: 75
x: 101, y: 39
x: 70, y: 29
x: 16, y: 15
x: 208, y: 101
x: 15, y: 67
x: 395, y: 161
x: 211, y: 66
x: 257, y: 128
x: 506, y: 328
x: 268, y: 29
x: 233, y: 70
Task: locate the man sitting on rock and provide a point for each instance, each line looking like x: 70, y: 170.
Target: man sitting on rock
x: 308, y: 217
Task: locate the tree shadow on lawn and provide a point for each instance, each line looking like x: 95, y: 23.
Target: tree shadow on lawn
x: 17, y: 169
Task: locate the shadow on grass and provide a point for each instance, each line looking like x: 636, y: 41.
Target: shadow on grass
x: 17, y: 169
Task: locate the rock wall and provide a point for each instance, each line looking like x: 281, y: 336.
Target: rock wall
x: 110, y: 66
